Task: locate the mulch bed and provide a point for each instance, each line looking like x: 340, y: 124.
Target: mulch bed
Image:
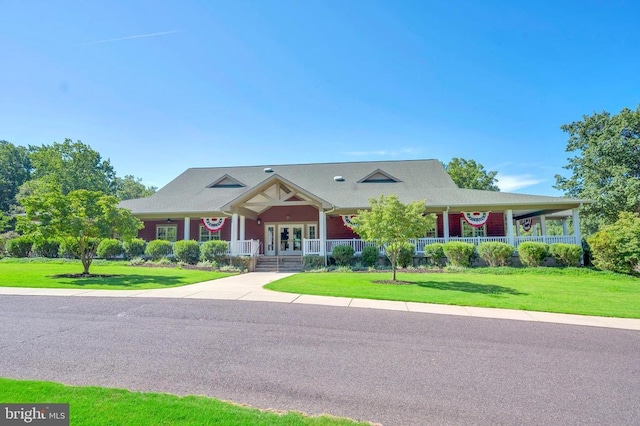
x: 86, y: 276
x: 393, y: 282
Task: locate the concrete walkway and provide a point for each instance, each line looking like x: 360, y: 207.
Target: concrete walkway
x: 249, y: 287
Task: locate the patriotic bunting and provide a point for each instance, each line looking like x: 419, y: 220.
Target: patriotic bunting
x: 476, y: 219
x: 526, y: 224
x: 346, y: 219
x: 213, y: 224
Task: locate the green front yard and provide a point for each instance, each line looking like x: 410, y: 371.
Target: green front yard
x: 117, y: 275
x: 103, y: 406
x: 570, y: 290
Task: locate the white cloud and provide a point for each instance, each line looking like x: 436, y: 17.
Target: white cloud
x: 128, y: 38
x: 509, y: 183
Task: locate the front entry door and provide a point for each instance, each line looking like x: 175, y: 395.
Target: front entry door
x: 290, y: 239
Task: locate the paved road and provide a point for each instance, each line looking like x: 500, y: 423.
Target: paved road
x: 391, y: 367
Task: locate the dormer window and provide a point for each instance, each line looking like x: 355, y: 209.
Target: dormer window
x: 379, y: 176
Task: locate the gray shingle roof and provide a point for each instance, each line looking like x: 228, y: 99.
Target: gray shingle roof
x: 418, y: 180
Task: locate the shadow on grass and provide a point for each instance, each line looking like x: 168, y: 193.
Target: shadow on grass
x: 132, y: 280
x: 470, y: 287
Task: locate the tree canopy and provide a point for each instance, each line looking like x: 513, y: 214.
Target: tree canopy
x: 471, y: 175
x: 605, y: 167
x: 131, y: 187
x: 391, y: 224
x: 81, y: 218
x: 15, y: 170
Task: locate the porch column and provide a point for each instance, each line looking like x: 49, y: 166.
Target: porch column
x: 234, y: 233
x: 445, y: 225
x: 543, y: 226
x: 576, y: 227
x: 187, y: 228
x: 517, y: 228
x: 510, y: 238
x: 322, y: 231
x: 242, y: 218
x: 565, y: 230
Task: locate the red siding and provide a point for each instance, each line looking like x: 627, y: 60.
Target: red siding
x: 337, y: 231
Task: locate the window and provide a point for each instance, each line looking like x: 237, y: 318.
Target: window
x: 167, y: 232
x: 206, y: 235
x: 431, y: 232
x: 470, y: 231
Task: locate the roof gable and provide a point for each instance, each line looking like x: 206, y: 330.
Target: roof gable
x: 379, y: 176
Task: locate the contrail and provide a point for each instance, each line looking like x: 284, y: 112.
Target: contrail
x: 127, y: 38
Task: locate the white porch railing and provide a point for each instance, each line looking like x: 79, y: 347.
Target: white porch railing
x: 244, y: 248
x: 310, y: 247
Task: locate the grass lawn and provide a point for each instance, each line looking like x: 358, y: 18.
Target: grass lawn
x: 570, y: 290
x: 103, y: 406
x: 41, y: 273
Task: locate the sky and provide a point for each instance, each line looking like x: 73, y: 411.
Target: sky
x: 161, y: 86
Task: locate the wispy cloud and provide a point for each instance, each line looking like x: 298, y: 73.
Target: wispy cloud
x: 509, y: 183
x: 128, y: 38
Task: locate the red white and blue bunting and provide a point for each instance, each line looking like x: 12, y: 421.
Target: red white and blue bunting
x: 476, y: 219
x: 346, y: 219
x: 213, y: 224
x: 526, y: 224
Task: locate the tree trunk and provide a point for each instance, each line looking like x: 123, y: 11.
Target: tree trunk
x: 86, y: 263
x: 393, y: 267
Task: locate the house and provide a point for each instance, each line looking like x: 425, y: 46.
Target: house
x: 300, y: 209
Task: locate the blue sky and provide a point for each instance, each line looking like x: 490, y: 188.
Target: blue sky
x: 160, y: 86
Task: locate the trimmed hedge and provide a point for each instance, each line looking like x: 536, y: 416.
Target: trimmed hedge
x: 405, y: 258
x: 157, y: 249
x: 69, y: 247
x: 313, y: 261
x: 19, y: 246
x: 566, y: 254
x: 495, y: 253
x: 134, y: 248
x: 370, y: 255
x: 186, y: 251
x: 46, y: 248
x: 214, y: 251
x: 459, y: 253
x: 532, y: 253
x: 109, y: 248
x: 434, y: 254
x: 343, y: 255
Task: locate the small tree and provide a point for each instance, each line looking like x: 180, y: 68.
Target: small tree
x: 85, y: 217
x: 391, y: 224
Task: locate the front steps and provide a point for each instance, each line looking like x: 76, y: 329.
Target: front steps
x: 279, y: 264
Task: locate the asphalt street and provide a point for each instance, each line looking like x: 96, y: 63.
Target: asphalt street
x: 391, y: 367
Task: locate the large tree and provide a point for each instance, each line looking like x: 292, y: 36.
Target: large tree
x: 15, y: 169
x: 471, y: 175
x: 82, y: 218
x: 605, y: 167
x: 391, y: 224
x: 71, y: 166
x: 131, y: 187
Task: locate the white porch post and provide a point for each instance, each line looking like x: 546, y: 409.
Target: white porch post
x: 543, y: 226
x: 187, y: 228
x: 242, y: 218
x: 576, y: 227
x: 565, y: 230
x: 517, y: 228
x: 322, y: 231
x: 234, y: 233
x: 510, y: 238
x: 445, y: 225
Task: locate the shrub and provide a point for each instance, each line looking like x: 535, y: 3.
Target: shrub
x: 19, y: 246
x: 370, y: 255
x: 343, y: 255
x: 458, y: 253
x: 495, y: 253
x: 134, y: 248
x: 46, y: 248
x: 616, y: 247
x: 313, y: 261
x: 566, y: 254
x: 434, y: 254
x: 405, y: 258
x: 157, y: 249
x: 187, y: 251
x: 214, y: 251
x: 3, y: 241
x: 532, y: 253
x: 241, y: 262
x: 109, y: 248
x: 69, y: 247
